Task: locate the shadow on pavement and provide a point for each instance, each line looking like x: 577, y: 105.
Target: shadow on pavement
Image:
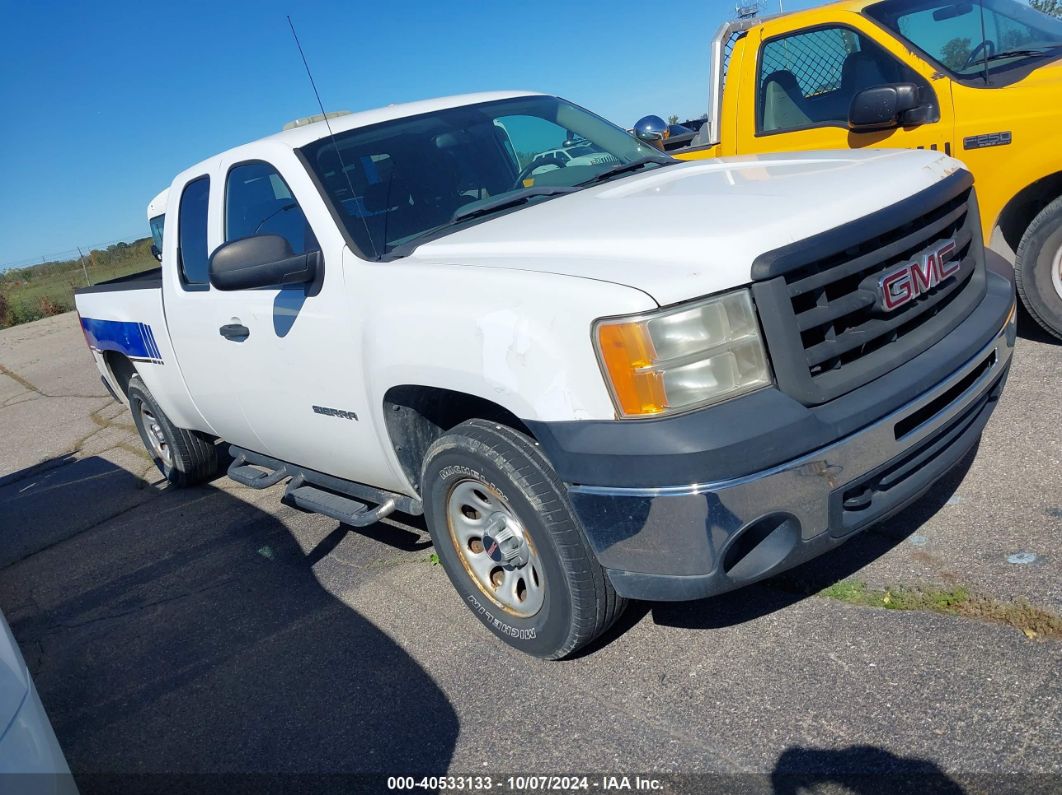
x: 790, y: 587
x: 190, y: 635
x: 860, y: 770
x: 53, y: 501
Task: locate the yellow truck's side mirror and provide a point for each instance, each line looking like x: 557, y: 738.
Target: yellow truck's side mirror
x: 884, y: 106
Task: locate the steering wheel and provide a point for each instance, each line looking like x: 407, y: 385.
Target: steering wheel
x: 989, y: 48
x: 538, y: 162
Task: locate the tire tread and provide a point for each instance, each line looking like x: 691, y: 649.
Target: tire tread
x: 1050, y: 216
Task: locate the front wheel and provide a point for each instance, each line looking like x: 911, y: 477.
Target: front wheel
x: 509, y: 542
x: 1038, y: 268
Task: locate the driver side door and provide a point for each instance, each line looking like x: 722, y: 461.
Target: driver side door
x: 275, y: 369
x: 806, y: 79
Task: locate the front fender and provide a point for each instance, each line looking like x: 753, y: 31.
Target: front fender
x: 519, y: 339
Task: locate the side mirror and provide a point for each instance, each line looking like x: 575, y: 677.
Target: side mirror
x: 261, y: 261
x: 156, y: 253
x: 884, y: 106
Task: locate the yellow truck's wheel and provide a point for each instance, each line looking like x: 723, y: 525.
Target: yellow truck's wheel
x: 1038, y: 269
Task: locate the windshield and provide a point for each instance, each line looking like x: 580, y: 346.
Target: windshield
x: 396, y: 183
x: 956, y: 36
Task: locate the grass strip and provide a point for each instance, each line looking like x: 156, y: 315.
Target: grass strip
x: 957, y: 600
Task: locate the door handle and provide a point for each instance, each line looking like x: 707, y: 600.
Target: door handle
x: 235, y: 331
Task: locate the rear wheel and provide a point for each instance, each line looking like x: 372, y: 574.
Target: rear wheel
x: 183, y: 457
x: 1038, y: 268
x: 509, y: 542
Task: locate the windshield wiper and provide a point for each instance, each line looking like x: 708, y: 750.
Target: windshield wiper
x: 508, y: 200
x: 623, y: 168
x: 1011, y: 54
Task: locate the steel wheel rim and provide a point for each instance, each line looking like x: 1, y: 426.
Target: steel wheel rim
x: 154, y: 436
x: 1056, y: 272
x: 474, y: 511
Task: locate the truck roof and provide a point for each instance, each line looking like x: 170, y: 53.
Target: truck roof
x: 157, y: 206
x: 308, y: 133
x: 825, y: 10
x: 300, y: 136
x: 297, y: 137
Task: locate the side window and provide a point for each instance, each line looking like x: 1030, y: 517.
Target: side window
x: 259, y: 202
x: 192, y: 253
x: 809, y: 79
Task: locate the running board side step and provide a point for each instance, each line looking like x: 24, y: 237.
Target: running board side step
x: 345, y: 500
x: 253, y: 477
x: 343, y: 509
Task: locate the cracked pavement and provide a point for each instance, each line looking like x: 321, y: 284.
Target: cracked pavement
x: 217, y: 630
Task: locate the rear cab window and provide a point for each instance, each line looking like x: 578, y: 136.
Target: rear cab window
x: 193, y: 258
x: 157, y: 223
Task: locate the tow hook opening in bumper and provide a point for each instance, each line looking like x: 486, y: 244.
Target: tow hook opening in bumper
x: 760, y: 546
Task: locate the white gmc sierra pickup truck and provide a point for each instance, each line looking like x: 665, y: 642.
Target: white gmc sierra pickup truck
x: 622, y: 378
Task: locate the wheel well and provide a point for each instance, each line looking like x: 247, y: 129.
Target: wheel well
x: 122, y: 369
x: 416, y: 416
x: 1020, y: 211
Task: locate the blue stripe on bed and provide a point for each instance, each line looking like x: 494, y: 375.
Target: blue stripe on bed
x: 135, y: 340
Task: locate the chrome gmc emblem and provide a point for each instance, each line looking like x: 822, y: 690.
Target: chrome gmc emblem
x: 911, y: 279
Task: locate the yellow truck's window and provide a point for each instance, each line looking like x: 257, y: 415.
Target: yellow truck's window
x: 969, y: 39
x: 808, y: 79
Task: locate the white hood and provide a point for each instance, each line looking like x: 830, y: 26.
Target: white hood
x: 694, y: 228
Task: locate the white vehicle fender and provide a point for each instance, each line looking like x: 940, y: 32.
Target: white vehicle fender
x: 519, y: 339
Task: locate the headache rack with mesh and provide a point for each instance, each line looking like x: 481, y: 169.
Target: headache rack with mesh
x: 818, y: 299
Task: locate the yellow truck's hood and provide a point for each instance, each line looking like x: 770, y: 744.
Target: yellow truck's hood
x: 1047, y: 77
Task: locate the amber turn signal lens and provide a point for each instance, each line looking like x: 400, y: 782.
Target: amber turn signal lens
x: 683, y: 357
x: 627, y: 353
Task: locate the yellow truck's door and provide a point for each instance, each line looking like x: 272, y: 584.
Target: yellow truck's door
x: 800, y: 82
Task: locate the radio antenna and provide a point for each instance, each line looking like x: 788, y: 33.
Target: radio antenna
x: 984, y: 56
x: 332, y: 135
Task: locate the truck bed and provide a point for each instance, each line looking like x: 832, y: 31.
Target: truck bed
x: 150, y: 279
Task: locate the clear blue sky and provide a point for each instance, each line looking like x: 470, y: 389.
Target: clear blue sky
x: 104, y: 102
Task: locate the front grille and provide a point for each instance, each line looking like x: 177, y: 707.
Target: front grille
x: 821, y: 309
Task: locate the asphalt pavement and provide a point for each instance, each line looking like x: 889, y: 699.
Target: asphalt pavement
x: 177, y: 636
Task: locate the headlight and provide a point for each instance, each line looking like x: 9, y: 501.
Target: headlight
x: 678, y: 359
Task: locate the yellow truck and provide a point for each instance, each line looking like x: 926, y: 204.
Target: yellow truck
x: 980, y: 80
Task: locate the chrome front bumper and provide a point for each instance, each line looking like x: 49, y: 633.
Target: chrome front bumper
x: 690, y: 541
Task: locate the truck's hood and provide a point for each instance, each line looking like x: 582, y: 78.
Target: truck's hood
x: 693, y: 228
x: 1043, y: 82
